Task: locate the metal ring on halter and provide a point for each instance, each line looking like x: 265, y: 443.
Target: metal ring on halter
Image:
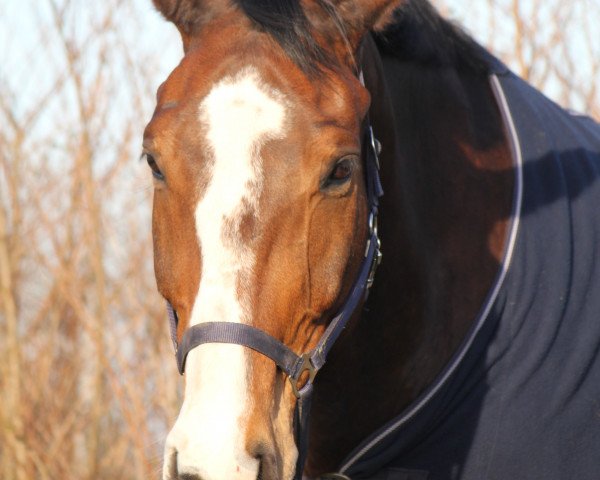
x: 305, y: 366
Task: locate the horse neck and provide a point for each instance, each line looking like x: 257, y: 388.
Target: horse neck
x: 446, y: 172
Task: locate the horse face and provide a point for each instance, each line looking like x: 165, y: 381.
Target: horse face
x: 259, y: 217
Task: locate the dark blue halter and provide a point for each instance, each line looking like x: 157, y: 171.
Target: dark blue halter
x: 294, y: 365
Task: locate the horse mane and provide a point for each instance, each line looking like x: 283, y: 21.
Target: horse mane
x: 417, y: 32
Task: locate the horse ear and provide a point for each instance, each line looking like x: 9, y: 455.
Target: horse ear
x: 185, y: 14
x: 360, y: 16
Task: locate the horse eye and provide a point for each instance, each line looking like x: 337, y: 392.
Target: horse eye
x: 156, y: 173
x: 341, y: 172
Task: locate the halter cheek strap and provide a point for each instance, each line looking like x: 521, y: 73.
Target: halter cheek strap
x: 293, y: 365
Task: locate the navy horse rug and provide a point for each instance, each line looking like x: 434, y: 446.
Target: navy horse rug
x: 521, y: 398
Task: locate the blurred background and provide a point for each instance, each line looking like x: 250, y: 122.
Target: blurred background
x: 88, y: 383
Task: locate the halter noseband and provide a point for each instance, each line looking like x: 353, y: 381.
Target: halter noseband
x: 295, y: 366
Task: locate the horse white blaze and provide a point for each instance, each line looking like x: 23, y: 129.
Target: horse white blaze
x: 239, y: 114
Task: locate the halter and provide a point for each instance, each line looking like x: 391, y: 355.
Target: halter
x: 293, y: 365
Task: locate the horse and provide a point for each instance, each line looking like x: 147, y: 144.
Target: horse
x: 378, y: 248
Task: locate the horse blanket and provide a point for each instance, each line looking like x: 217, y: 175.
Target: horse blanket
x: 521, y: 398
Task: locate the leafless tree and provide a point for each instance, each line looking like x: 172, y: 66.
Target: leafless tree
x: 86, y: 391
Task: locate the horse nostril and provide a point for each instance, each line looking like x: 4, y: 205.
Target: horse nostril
x: 266, y: 463
x: 170, y: 467
x: 257, y: 451
x: 172, y: 470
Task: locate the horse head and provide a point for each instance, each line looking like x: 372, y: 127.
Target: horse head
x: 260, y: 212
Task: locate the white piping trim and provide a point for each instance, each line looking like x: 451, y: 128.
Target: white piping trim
x: 518, y: 159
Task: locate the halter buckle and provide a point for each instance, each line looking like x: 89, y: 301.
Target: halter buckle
x: 373, y: 233
x: 306, y: 365
x: 375, y: 146
x: 376, y: 262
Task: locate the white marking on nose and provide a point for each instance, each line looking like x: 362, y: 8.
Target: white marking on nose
x: 240, y: 113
